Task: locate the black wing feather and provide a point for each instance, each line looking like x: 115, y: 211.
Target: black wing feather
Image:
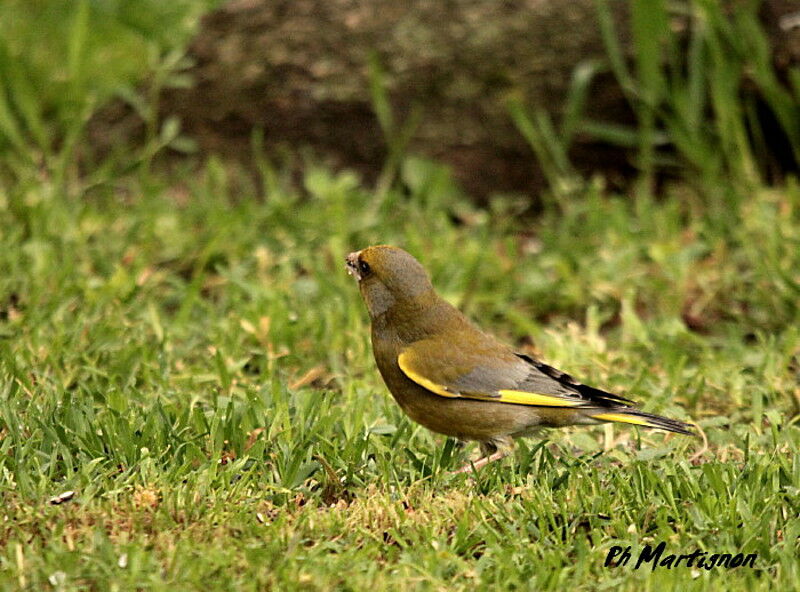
x: 594, y: 395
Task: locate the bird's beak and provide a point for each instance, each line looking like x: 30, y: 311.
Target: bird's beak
x: 351, y: 263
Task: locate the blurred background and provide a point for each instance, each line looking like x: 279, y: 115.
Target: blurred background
x: 521, y: 97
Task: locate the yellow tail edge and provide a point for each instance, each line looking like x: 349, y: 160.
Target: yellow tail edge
x: 647, y: 420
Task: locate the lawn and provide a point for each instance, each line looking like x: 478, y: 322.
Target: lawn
x: 193, y: 362
x: 188, y: 399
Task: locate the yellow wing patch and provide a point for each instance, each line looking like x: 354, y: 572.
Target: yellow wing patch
x: 501, y: 396
x: 622, y: 418
x: 402, y: 361
x: 527, y: 398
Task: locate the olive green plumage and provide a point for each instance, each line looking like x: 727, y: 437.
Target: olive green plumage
x: 454, y: 379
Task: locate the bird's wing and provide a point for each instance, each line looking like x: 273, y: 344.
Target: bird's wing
x: 485, y: 370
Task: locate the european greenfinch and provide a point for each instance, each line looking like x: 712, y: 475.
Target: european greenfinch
x: 454, y: 379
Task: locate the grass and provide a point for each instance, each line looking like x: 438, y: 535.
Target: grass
x: 185, y: 353
x: 193, y: 362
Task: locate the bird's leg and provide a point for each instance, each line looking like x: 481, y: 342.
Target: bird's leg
x: 490, y: 451
x: 481, y: 462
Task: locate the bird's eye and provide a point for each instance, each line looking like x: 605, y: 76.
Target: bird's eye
x: 364, y: 268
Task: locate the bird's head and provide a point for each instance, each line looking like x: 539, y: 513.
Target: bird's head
x: 388, y: 276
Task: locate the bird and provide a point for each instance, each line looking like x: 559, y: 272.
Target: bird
x: 455, y: 379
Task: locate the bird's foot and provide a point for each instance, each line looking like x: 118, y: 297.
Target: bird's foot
x: 472, y: 467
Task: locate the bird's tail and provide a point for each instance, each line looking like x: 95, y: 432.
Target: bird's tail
x: 648, y: 420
